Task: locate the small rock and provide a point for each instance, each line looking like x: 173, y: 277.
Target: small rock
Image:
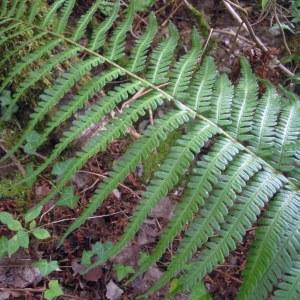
x: 113, y: 292
x: 164, y: 209
x: 117, y: 194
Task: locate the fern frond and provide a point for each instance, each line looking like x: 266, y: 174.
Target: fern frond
x: 33, y: 10
x: 96, y: 113
x: 13, y: 35
x: 287, y: 134
x: 283, y: 254
x: 4, y: 7
x: 12, y: 10
x: 8, y: 55
x: 244, y: 103
x: 200, y: 292
x: 88, y: 91
x: 21, y: 9
x: 255, y: 195
x: 233, y: 154
x: 280, y: 216
x: 138, y: 151
x: 216, y: 207
x: 200, y: 184
x: 9, y: 28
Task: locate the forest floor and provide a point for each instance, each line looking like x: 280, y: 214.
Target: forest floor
x: 20, y: 281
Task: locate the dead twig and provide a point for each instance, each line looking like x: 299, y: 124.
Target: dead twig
x: 259, y: 43
x: 281, y: 29
x: 89, y: 218
x: 104, y: 176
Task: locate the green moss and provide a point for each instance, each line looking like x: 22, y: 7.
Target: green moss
x: 9, y: 190
x: 201, y: 19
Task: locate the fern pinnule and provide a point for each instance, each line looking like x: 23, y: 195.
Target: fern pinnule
x: 165, y: 178
x: 221, y: 101
x: 244, y: 103
x: 12, y: 10
x: 161, y: 58
x: 65, y: 14
x: 287, y: 134
x: 182, y: 72
x: 33, y: 10
x: 21, y: 9
x: 138, y: 55
x: 116, y: 46
x: 202, y: 85
x: 50, y: 16
x: 3, y: 32
x: 265, y: 121
x: 84, y: 21
x: 4, y: 7
x: 130, y: 160
x: 289, y: 288
x: 99, y: 33
x: 254, y: 196
x: 200, y: 184
x: 239, y: 171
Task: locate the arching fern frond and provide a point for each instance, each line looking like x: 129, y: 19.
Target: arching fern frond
x: 235, y: 157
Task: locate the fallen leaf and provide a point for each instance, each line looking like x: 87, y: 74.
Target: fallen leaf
x: 113, y: 292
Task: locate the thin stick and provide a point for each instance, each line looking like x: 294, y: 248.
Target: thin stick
x: 234, y: 13
x: 105, y: 176
x: 89, y: 218
x: 260, y: 44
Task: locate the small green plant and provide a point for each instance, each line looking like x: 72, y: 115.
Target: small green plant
x: 46, y: 267
x: 122, y: 271
x: 54, y: 290
x: 98, y: 251
x: 22, y: 234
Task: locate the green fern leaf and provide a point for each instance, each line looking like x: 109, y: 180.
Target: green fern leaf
x: 99, y: 34
x: 244, y: 103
